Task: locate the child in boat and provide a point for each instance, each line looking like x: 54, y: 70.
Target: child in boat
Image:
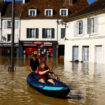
x: 43, y: 74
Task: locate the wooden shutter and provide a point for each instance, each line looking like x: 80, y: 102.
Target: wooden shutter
x: 53, y: 33
x: 37, y: 32
x: 27, y: 32
x: 43, y: 33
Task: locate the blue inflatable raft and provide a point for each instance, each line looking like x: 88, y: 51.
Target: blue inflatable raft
x: 60, y: 90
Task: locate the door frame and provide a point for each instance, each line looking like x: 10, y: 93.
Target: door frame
x: 73, y: 52
x: 96, y: 52
x: 83, y: 53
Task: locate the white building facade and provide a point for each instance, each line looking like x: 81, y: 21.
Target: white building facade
x: 85, y: 36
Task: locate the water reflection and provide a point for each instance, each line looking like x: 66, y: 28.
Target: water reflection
x: 86, y: 80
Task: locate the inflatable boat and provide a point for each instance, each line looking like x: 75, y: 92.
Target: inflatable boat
x: 59, y: 90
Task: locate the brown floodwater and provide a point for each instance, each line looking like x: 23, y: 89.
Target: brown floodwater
x: 86, y: 80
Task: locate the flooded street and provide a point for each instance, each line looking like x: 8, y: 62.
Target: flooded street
x: 86, y: 80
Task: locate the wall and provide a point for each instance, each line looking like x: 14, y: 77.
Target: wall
x: 41, y: 23
x: 6, y: 31
x: 90, y: 40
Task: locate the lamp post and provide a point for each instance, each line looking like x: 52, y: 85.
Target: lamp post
x: 13, y: 31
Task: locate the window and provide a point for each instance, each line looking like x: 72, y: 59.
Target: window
x: 48, y: 12
x: 80, y: 25
x: 91, y: 25
x: 48, y: 33
x: 63, y: 12
x: 9, y: 24
x: 32, y: 12
x: 32, y: 32
x: 62, y: 33
x: 9, y: 37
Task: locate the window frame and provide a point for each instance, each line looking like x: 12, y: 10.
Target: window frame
x: 45, y: 33
x: 80, y: 28
x: 91, y: 25
x: 29, y: 11
x: 31, y: 31
x: 67, y: 12
x: 48, y: 10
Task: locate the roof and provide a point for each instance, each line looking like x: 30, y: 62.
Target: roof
x: 56, y: 5
x: 22, y: 9
x: 93, y: 8
x: 7, y: 9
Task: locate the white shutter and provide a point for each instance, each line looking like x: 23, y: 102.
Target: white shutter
x: 75, y: 29
x: 16, y: 38
x: 96, y: 24
x: 5, y: 24
x: 85, y: 26
x: 89, y: 25
x: 16, y: 24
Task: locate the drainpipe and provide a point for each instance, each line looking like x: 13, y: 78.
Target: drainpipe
x: 57, y: 37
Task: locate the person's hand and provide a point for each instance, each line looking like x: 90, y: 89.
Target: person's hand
x: 48, y: 70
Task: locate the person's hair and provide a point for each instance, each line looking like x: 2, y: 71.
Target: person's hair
x: 42, y: 63
x: 35, y: 56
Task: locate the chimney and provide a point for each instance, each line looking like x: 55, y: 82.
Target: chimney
x: 24, y: 1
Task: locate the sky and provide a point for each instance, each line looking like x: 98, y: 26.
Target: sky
x: 90, y: 1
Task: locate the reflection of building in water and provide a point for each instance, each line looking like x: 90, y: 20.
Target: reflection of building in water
x: 98, y: 69
x: 85, y: 68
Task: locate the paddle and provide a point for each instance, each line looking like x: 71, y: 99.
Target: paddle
x: 41, y: 59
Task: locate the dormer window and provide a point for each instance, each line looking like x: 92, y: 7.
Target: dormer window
x: 32, y: 12
x: 63, y: 12
x: 48, y: 12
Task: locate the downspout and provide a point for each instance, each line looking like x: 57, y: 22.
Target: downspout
x: 57, y: 37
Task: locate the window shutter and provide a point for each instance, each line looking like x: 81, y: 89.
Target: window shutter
x: 43, y: 33
x: 85, y: 26
x: 16, y: 24
x: 5, y: 24
x: 53, y: 33
x: 96, y: 24
x: 89, y: 26
x: 37, y: 32
x: 16, y: 38
x: 75, y: 29
x: 27, y: 33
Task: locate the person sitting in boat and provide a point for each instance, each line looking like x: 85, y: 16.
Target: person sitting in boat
x: 43, y: 74
x: 34, y: 64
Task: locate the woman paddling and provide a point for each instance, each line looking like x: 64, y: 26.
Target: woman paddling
x: 43, y: 74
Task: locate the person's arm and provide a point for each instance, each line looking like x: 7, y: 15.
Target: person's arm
x: 31, y: 69
x: 43, y: 72
x: 31, y: 66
